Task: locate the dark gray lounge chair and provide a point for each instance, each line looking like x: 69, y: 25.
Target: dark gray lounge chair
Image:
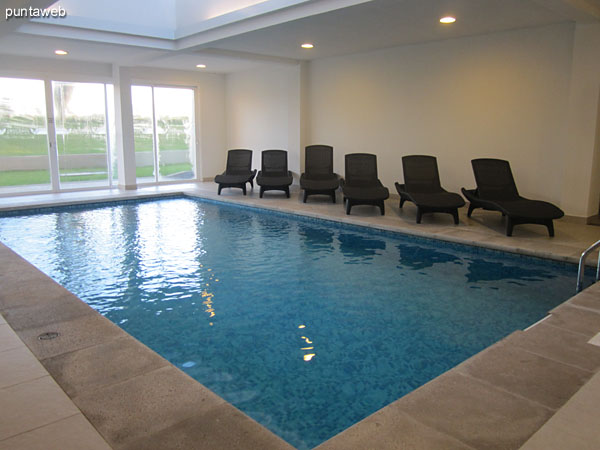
x: 238, y: 171
x: 361, y: 185
x: 422, y: 187
x: 274, y: 174
x: 318, y: 177
x: 497, y: 191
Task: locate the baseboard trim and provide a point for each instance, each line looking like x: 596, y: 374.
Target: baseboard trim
x: 593, y: 220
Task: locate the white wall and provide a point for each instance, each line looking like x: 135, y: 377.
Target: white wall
x: 54, y: 69
x: 582, y: 144
x: 502, y: 95
x: 263, y: 112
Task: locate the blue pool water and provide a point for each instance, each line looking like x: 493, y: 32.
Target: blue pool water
x: 307, y: 326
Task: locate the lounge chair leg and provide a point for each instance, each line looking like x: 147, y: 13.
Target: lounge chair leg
x: 382, y: 208
x: 509, y: 226
x: 419, y: 215
x: 244, y: 188
x: 305, y: 195
x: 262, y: 191
x: 455, y: 215
x: 550, y: 226
x: 219, y: 191
x: 333, y: 196
x: 402, y: 200
x: 287, y: 192
x: 251, y: 184
x: 471, y: 208
x: 348, y: 207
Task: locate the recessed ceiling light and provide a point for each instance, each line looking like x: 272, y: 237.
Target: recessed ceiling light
x: 201, y: 66
x: 448, y: 19
x: 307, y: 45
x: 61, y: 52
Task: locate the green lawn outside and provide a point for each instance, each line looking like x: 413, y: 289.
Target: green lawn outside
x: 27, y: 177
x: 23, y: 177
x: 77, y: 144
x: 172, y: 142
x: 148, y: 171
x: 23, y: 145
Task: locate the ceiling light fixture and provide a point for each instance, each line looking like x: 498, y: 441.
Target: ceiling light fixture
x: 61, y: 52
x: 201, y: 66
x: 448, y: 19
x: 307, y: 45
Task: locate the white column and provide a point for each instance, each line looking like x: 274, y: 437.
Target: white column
x: 294, y: 120
x: 51, y: 130
x: 124, y: 141
x: 581, y: 192
x: 304, y: 112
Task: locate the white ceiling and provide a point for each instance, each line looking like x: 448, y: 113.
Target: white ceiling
x: 235, y: 35
x: 163, y: 19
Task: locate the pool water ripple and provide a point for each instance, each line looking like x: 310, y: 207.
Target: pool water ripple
x: 306, y: 326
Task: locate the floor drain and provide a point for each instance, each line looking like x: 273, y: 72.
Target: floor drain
x: 49, y: 335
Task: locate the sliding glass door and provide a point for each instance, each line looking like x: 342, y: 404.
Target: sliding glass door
x: 82, y: 134
x: 163, y: 122
x: 58, y: 135
x: 73, y: 154
x: 24, y: 159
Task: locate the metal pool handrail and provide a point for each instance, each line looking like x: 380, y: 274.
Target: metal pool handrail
x: 581, y: 269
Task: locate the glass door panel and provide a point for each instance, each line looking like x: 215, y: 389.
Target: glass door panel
x: 24, y: 162
x: 143, y: 133
x: 174, y: 110
x: 112, y: 140
x: 81, y: 134
x: 163, y: 123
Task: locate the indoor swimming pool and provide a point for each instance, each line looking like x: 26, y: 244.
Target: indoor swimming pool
x: 306, y: 325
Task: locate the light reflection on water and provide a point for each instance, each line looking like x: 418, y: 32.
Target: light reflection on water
x: 304, y: 326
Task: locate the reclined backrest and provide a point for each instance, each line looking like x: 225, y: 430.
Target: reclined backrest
x: 239, y: 161
x: 361, y: 168
x: 274, y: 162
x: 421, y: 173
x: 494, y: 179
x: 318, y: 160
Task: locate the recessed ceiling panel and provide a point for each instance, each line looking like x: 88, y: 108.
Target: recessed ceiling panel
x: 233, y: 35
x: 388, y: 23
x: 157, y: 19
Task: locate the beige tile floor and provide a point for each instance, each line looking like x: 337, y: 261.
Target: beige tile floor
x: 36, y: 413
x: 575, y: 425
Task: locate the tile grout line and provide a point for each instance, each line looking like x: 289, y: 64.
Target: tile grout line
x: 501, y: 389
x: 29, y: 380
x: 55, y: 382
x: 43, y: 426
x: 575, y: 366
x: 567, y: 329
